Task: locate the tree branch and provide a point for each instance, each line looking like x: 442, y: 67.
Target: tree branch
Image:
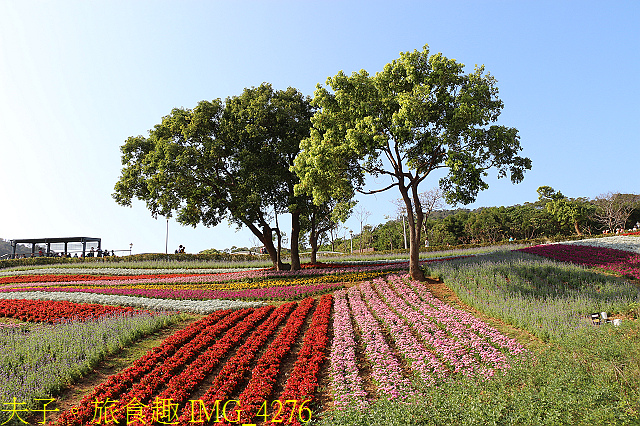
x: 378, y: 190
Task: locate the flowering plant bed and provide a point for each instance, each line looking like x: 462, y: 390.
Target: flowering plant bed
x: 176, y: 370
x: 620, y: 262
x: 56, y: 311
x: 430, y: 338
x: 380, y: 349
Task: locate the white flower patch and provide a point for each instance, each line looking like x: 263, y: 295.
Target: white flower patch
x: 196, y: 306
x: 618, y: 242
x: 119, y: 271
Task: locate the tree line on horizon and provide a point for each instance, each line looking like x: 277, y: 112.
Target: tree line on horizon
x: 552, y: 215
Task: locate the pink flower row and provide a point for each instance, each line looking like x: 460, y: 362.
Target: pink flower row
x: 386, y: 369
x: 347, y: 385
x: 433, y: 338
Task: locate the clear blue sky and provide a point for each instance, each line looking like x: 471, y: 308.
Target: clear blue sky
x: 79, y: 77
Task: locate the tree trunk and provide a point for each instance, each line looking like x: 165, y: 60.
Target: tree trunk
x: 314, y: 252
x: 575, y: 225
x: 271, y: 249
x: 313, y: 242
x: 414, y: 253
x: 265, y: 238
x: 295, y: 236
x: 279, y: 265
x: 414, y: 233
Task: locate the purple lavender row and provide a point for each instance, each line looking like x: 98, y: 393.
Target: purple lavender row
x: 284, y: 292
x: 417, y: 295
x: 347, y: 386
x: 386, y: 370
x: 420, y: 358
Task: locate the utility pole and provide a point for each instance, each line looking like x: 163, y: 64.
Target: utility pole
x: 351, y: 232
x: 404, y: 232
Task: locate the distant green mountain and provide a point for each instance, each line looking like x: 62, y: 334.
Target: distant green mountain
x: 5, y: 248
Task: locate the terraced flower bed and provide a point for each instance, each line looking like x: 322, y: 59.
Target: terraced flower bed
x: 337, y: 345
x: 398, y: 322
x: 175, y: 371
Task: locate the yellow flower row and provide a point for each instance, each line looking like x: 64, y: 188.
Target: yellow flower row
x: 241, y: 285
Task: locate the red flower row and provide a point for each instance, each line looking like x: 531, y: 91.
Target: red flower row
x: 182, y: 385
x: 584, y: 255
x: 303, y: 380
x: 264, y: 375
x: 622, y: 262
x: 235, y: 368
x: 182, y: 362
x: 172, y: 348
x: 53, y: 311
x: 153, y: 381
x: 54, y: 278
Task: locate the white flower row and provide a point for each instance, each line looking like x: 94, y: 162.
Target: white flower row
x: 119, y: 271
x: 196, y: 306
x: 619, y: 242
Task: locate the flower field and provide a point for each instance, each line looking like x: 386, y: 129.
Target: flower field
x: 625, y: 263
x: 335, y: 344
x: 433, y: 339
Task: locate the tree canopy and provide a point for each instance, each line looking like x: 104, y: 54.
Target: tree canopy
x: 221, y: 160
x: 420, y: 114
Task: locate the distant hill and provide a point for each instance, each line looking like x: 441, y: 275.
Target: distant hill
x: 441, y: 214
x: 5, y: 248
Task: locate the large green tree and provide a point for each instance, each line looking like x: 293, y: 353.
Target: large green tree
x: 568, y: 212
x: 221, y: 160
x: 419, y: 114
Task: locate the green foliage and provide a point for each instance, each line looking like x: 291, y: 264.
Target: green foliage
x: 547, y: 193
x: 40, y: 260
x: 221, y: 160
x: 571, y: 212
x: 420, y: 113
x: 424, y: 106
